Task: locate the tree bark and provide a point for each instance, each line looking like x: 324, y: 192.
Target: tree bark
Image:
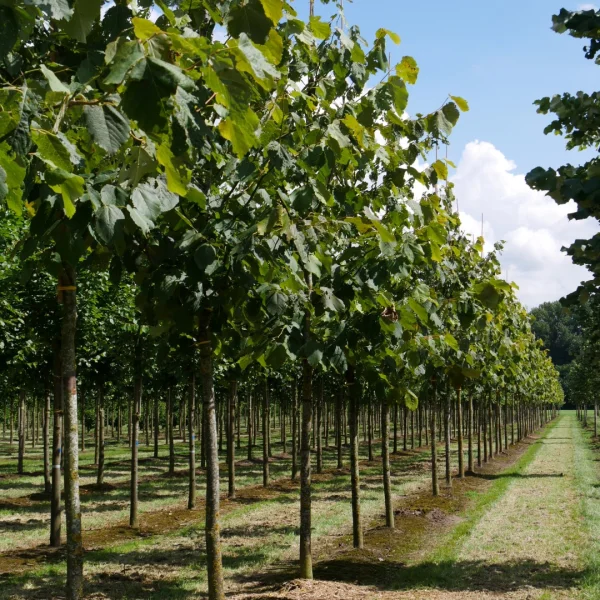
x: 294, y: 430
x: 385, y: 456
x: 55, y: 506
x: 230, y: 439
x: 434, y: 473
x: 265, y: 432
x: 214, y: 559
x: 136, y: 407
x: 22, y: 428
x: 306, y: 571
x: 192, y: 443
x: 357, y: 532
x: 69, y: 383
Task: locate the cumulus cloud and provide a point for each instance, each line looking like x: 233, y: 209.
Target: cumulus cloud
x: 533, y: 226
x: 587, y: 7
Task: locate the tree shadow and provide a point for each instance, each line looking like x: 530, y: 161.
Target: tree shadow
x: 492, y: 476
x: 364, y: 568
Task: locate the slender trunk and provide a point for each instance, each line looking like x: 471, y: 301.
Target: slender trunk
x: 192, y: 443
x: 156, y: 428
x: 46, y: 434
x: 385, y: 456
x: 250, y: 422
x: 136, y: 407
x: 230, y: 439
x: 357, y: 532
x: 447, y: 424
x: 265, y: 432
x: 434, y: 474
x: 294, y: 430
x: 55, y: 507
x: 170, y: 430
x: 470, y: 434
x: 319, y: 427
x: 100, y: 477
x: 22, y: 428
x: 213, y: 538
x: 338, y: 417
x: 69, y: 382
x: 459, y: 428
x: 306, y: 571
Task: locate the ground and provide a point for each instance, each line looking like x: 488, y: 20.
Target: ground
x: 523, y: 527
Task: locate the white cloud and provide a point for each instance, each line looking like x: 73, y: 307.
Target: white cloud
x: 587, y: 7
x: 533, y: 226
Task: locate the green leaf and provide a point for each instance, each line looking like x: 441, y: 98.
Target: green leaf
x: 206, y: 259
x: 85, y: 13
x: 461, y: 103
x: 150, y: 200
x: 139, y: 164
x: 331, y: 301
x: 313, y: 352
x: 277, y: 357
x: 178, y: 177
x: 252, y: 60
x: 419, y: 310
x: 108, y: 219
x: 68, y: 185
x: 319, y: 29
x: 276, y: 303
x: 240, y: 130
x: 250, y: 18
x: 107, y: 126
x: 381, y: 33
x: 127, y: 56
x: 408, y: 69
x: 399, y: 94
x: 451, y: 341
x: 273, y: 9
x: 56, y: 9
x: 145, y: 29
x: 51, y: 149
x: 56, y: 85
x: 11, y: 180
x: 441, y: 169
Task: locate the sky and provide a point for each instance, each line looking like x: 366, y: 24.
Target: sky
x: 500, y: 56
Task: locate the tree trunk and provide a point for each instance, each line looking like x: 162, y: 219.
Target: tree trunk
x: 100, y: 477
x: 471, y: 464
x: 69, y: 383
x: 447, y: 424
x: 319, y: 427
x: 265, y: 432
x: 170, y: 430
x: 294, y: 430
x: 230, y: 439
x: 459, y: 428
x: 214, y: 559
x: 156, y: 428
x: 192, y: 443
x: 250, y: 423
x: 434, y: 474
x: 46, y: 434
x: 22, y: 428
x: 55, y: 506
x: 357, y: 532
x: 306, y: 571
x: 339, y: 424
x: 385, y: 456
x: 136, y: 407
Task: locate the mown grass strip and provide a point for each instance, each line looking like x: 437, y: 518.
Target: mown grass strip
x: 448, y: 551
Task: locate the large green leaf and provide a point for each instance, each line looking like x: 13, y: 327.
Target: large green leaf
x: 85, y: 13
x: 150, y: 200
x: 68, y: 185
x: 11, y: 180
x: 250, y: 18
x: 52, y: 149
x: 56, y: 9
x: 108, y: 219
x: 107, y: 126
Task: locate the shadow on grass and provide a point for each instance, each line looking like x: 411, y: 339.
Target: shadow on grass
x: 493, y: 476
x: 462, y: 576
